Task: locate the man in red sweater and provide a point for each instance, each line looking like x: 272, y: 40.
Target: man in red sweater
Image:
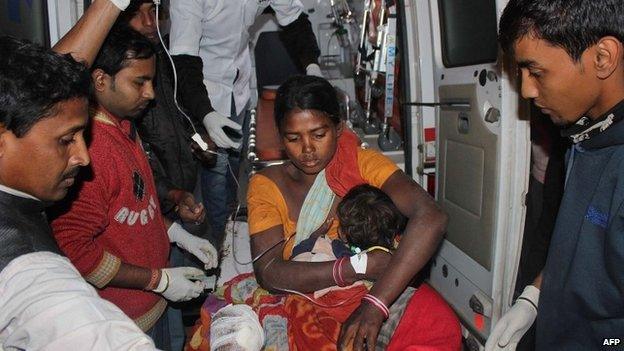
x: 113, y: 230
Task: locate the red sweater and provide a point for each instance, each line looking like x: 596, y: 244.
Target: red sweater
x: 115, y: 218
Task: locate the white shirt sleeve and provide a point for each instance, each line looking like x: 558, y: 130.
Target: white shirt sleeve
x: 186, y: 27
x: 286, y: 11
x: 46, y: 305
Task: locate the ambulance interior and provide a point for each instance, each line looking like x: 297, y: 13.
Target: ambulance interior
x: 424, y: 82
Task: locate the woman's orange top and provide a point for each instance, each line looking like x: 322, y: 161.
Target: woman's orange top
x: 267, y: 207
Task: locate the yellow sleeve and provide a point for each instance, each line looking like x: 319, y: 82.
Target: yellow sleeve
x: 375, y: 168
x: 264, y: 204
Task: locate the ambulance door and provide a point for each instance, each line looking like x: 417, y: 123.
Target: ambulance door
x: 482, y: 155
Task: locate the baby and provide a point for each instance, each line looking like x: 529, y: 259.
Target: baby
x: 368, y: 218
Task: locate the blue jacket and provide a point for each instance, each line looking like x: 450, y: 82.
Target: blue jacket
x: 582, y: 296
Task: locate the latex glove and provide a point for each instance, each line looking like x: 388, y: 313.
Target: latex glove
x: 515, y: 323
x: 214, y: 123
x: 121, y: 4
x: 314, y: 70
x: 181, y: 283
x: 201, y: 248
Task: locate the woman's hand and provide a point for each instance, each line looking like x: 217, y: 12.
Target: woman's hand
x: 360, y: 330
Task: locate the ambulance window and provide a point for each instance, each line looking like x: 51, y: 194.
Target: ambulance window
x: 468, y: 29
x: 25, y: 20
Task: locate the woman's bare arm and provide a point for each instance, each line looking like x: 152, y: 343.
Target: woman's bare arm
x: 274, y: 273
x: 425, y: 228
x: 84, y: 40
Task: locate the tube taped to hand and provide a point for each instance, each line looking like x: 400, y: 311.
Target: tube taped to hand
x: 359, y: 262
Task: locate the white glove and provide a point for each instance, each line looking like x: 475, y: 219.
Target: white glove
x: 201, y: 248
x: 314, y: 70
x: 121, y: 4
x: 512, y: 326
x: 214, y: 123
x: 176, y: 285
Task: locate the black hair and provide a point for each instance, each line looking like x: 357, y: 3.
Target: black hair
x: 306, y: 93
x: 122, y: 45
x: 126, y: 15
x: 368, y: 217
x: 573, y: 25
x: 33, y: 80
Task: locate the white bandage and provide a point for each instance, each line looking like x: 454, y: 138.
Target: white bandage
x: 121, y: 4
x: 314, y: 70
x: 359, y: 262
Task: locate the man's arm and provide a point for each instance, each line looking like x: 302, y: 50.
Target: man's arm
x: 185, y: 36
x: 45, y: 303
x: 300, y: 41
x: 84, y: 40
x: 538, y: 281
x: 75, y: 231
x: 192, y: 92
x: 512, y: 325
x: 296, y: 34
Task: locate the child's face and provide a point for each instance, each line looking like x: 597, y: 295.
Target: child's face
x: 562, y: 88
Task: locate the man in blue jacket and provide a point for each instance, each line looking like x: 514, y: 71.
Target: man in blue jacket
x: 571, y: 59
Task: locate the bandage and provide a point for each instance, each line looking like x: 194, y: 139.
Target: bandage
x: 359, y: 262
x: 314, y: 70
x: 121, y: 4
x: 236, y: 327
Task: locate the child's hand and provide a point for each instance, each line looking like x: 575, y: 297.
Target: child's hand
x: 378, y: 261
x: 323, y: 229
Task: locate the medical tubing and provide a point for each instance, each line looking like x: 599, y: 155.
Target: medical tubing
x: 377, y: 247
x: 271, y: 248
x: 313, y: 300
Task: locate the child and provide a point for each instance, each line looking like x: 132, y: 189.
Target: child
x: 369, y: 218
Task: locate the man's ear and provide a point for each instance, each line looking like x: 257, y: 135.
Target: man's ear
x: 99, y: 78
x: 609, y: 51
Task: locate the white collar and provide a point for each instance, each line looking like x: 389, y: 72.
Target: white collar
x: 12, y: 191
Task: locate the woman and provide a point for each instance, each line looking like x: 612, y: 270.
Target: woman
x: 296, y: 200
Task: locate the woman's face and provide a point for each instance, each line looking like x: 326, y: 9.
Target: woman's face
x: 310, y: 139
